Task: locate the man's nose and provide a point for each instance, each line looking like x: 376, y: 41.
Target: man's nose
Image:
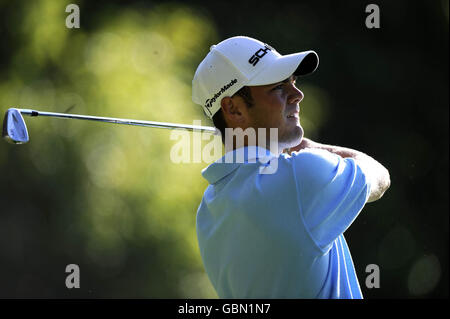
x: 296, y: 95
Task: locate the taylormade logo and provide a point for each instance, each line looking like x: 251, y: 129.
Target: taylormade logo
x: 210, y: 101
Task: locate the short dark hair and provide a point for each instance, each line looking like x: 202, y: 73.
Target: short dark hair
x: 218, y: 118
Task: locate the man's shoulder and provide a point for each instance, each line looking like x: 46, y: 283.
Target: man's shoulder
x: 314, y: 168
x: 314, y: 157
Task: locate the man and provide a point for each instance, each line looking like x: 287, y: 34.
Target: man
x: 276, y: 234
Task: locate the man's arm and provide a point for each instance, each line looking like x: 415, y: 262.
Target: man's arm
x: 376, y: 174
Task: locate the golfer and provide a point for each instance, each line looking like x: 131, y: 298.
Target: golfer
x: 271, y: 225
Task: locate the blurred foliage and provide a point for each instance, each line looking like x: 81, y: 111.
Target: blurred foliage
x: 102, y: 196
x: 108, y: 198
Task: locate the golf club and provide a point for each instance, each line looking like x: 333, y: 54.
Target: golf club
x: 15, y: 130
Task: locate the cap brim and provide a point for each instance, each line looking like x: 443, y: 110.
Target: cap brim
x: 299, y: 64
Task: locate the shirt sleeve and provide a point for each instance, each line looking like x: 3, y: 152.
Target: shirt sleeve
x: 331, y: 190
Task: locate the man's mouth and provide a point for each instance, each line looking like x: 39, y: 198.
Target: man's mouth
x: 293, y: 116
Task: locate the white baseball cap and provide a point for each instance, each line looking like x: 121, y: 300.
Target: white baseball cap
x: 242, y: 61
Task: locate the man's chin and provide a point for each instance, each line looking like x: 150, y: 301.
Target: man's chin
x: 295, y: 139
x: 298, y: 136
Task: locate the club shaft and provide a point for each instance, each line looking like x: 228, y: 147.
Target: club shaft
x: 172, y: 126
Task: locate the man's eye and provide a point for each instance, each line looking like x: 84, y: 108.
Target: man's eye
x: 278, y: 87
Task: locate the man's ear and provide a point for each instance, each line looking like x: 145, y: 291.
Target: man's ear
x: 233, y: 111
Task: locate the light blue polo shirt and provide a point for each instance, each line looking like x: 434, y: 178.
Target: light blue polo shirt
x: 280, y: 235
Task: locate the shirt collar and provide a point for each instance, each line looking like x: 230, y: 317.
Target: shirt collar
x: 233, y: 159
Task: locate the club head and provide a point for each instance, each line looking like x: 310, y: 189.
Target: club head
x: 14, y: 128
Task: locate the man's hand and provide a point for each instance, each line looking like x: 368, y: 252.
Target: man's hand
x: 376, y: 174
